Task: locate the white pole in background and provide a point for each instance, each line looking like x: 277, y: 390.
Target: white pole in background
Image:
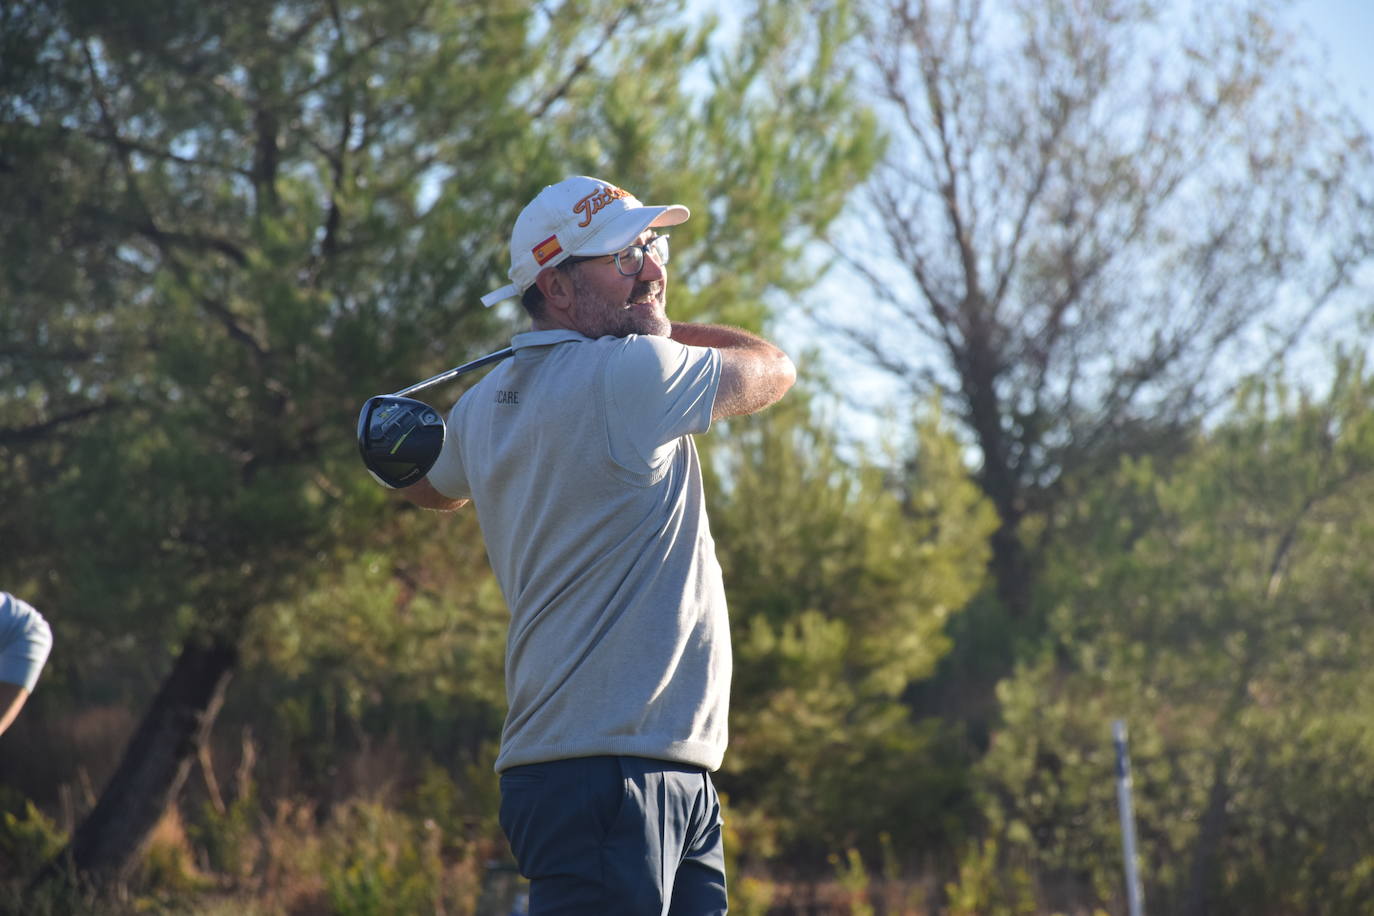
x: 1123, y: 804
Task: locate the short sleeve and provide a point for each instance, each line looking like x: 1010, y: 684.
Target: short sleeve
x: 25, y: 641
x: 448, y: 475
x: 657, y: 391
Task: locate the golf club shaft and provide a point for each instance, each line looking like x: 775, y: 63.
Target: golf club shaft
x: 456, y: 371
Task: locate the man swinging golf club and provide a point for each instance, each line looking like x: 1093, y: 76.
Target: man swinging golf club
x: 578, y: 455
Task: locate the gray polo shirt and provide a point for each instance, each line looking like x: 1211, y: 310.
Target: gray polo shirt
x: 578, y: 456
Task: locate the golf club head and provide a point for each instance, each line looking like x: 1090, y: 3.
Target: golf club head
x: 399, y: 438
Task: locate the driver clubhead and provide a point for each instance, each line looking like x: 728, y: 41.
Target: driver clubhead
x: 399, y: 438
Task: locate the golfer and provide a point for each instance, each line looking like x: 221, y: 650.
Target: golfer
x: 578, y: 455
x: 25, y: 641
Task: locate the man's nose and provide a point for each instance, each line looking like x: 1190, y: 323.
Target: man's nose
x: 652, y: 270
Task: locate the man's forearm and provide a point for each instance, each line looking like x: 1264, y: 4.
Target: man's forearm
x: 754, y: 373
x: 718, y: 336
x: 12, y: 697
x: 424, y: 494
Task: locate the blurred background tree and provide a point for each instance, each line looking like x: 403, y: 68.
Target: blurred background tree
x: 1221, y: 606
x: 839, y: 591
x: 1093, y: 219
x: 223, y: 204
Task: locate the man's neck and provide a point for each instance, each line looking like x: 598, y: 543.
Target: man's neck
x: 550, y: 324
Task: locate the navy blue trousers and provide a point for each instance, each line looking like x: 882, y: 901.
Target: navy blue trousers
x: 616, y: 836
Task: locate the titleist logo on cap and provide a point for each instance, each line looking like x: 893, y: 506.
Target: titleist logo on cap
x: 590, y: 205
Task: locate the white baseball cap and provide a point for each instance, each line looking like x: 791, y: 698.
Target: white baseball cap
x: 577, y: 217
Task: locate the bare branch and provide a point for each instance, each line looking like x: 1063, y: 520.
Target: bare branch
x: 151, y: 228
x: 22, y: 435
x: 584, y: 61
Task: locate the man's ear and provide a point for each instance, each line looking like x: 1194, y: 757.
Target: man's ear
x: 557, y: 288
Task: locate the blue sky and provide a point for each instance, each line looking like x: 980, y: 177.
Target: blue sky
x: 1346, y: 30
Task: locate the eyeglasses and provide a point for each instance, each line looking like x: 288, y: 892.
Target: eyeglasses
x: 630, y: 262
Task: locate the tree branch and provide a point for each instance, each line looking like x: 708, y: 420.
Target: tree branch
x: 585, y: 60
x: 21, y: 435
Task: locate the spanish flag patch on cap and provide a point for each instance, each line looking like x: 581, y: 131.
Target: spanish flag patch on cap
x: 546, y: 250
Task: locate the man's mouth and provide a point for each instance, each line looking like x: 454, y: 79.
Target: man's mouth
x: 646, y: 295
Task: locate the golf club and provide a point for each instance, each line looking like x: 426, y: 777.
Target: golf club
x: 400, y: 437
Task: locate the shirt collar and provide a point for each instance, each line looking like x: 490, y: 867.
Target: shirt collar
x: 545, y: 338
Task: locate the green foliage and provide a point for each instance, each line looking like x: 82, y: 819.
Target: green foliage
x: 746, y: 834
x: 229, y: 839
x: 422, y: 622
x: 378, y: 863
x: 53, y: 900
x: 838, y: 593
x: 1217, y: 605
x: 167, y: 868
x: 28, y: 841
x: 248, y: 258
x: 853, y: 879
x: 989, y: 886
x: 750, y: 896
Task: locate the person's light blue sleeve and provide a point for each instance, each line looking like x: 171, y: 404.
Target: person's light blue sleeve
x: 25, y: 641
x: 659, y: 390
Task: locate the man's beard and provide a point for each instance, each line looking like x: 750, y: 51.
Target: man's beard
x: 599, y: 316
